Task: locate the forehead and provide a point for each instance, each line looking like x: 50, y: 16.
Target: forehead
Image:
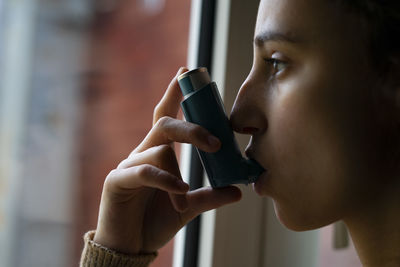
x: 304, y: 18
x: 323, y: 26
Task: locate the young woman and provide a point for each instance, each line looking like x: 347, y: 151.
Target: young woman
x: 322, y: 106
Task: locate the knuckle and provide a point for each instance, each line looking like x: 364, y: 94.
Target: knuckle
x: 112, y: 173
x: 163, y: 121
x: 144, y: 170
x: 122, y: 164
x: 165, y: 150
x: 110, y: 177
x: 157, y: 110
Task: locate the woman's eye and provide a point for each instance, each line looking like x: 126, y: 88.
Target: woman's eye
x: 277, y: 65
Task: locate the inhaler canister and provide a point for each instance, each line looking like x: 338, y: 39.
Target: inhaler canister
x: 202, y: 105
x: 193, y: 80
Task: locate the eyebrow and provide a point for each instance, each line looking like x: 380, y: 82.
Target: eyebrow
x: 269, y: 36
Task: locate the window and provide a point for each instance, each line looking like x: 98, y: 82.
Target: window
x: 81, y: 79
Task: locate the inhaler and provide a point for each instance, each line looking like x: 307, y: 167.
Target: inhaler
x: 202, y: 105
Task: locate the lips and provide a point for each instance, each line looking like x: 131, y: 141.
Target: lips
x: 260, y: 185
x: 262, y: 179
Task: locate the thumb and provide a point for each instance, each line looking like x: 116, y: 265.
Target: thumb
x: 208, y: 198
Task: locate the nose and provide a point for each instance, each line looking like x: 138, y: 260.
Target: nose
x: 249, y: 111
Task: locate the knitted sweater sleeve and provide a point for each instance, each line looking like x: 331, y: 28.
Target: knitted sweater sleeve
x: 95, y: 255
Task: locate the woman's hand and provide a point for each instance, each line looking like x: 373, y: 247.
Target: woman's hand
x: 144, y: 200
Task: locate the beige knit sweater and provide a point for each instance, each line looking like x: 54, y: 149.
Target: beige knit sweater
x: 95, y: 255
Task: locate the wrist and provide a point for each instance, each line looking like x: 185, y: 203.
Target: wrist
x: 95, y: 253
x: 116, y: 242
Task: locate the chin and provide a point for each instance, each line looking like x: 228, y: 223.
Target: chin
x: 300, y: 221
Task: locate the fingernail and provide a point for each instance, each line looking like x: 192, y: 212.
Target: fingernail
x: 181, y: 69
x: 213, y: 141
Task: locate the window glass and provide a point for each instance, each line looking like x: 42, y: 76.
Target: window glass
x: 94, y: 71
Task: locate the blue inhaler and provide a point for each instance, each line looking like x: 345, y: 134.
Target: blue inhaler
x: 202, y: 105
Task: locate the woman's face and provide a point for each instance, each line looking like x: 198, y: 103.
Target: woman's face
x: 317, y: 112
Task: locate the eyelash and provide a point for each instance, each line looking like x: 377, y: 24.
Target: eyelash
x: 273, y: 62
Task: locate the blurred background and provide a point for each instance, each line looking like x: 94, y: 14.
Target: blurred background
x: 79, y: 80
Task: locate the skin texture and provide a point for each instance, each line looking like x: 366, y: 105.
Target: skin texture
x: 324, y: 124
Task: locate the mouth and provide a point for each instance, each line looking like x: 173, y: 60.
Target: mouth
x: 261, y: 181
x: 260, y: 184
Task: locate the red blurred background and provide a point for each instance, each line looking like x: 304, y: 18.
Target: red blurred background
x: 135, y: 50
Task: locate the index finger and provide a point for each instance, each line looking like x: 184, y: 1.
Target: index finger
x: 169, y: 103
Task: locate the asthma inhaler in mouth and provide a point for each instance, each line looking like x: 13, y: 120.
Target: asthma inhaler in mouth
x: 202, y: 105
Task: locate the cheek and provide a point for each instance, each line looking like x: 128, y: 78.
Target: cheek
x: 323, y: 146
x: 310, y: 175
x: 303, y: 142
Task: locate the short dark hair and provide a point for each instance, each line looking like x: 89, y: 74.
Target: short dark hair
x: 383, y: 20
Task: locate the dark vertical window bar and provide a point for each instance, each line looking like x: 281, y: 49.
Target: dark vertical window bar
x: 204, y: 58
